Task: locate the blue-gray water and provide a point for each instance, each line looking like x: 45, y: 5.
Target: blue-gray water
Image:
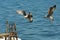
x: 40, y: 28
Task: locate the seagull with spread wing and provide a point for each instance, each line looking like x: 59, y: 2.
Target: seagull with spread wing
x: 28, y: 16
x: 50, y: 13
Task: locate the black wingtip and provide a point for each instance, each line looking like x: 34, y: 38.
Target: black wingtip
x: 24, y: 13
x: 54, y: 6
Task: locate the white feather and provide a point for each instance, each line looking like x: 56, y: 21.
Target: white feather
x: 19, y: 12
x: 31, y: 19
x: 51, y: 17
x: 26, y: 16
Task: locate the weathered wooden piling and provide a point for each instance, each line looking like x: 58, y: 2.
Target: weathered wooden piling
x: 10, y: 35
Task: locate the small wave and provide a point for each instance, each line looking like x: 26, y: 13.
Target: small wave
x: 50, y: 34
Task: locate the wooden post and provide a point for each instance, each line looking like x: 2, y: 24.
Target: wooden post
x: 15, y: 31
x: 15, y: 26
x: 16, y: 37
x: 7, y: 26
x: 10, y: 37
x: 5, y: 37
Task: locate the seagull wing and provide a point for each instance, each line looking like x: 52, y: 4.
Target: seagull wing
x: 50, y: 12
x: 22, y: 12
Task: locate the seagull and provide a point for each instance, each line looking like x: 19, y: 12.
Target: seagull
x: 28, y: 16
x: 50, y: 13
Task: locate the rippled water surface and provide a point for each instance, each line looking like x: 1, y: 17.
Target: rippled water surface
x: 40, y: 28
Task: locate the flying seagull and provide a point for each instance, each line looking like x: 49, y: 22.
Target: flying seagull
x: 50, y: 13
x: 28, y: 16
